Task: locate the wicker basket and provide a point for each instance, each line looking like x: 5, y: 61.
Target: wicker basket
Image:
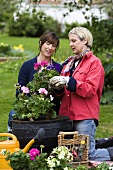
x: 75, y: 140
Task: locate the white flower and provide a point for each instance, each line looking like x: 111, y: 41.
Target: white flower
x: 42, y: 68
x: 42, y: 98
x: 15, y: 17
x: 61, y: 155
x: 51, y: 161
x: 3, y: 151
x: 58, y: 155
x: 58, y: 163
x: 51, y: 97
x: 66, y: 168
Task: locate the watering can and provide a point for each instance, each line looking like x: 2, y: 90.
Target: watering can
x: 13, y: 146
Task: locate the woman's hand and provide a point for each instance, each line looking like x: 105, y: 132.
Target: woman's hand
x: 58, y: 82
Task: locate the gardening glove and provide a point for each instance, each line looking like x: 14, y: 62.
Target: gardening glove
x: 58, y: 82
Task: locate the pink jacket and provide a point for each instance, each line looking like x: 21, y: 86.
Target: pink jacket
x: 85, y: 102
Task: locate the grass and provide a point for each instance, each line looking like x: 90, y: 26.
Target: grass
x: 105, y: 128
x: 7, y: 92
x: 31, y: 44
x: 8, y: 77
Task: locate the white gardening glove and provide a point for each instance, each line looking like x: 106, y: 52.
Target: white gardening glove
x: 58, y: 82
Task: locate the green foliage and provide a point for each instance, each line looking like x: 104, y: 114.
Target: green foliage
x: 108, y: 67
x: 35, y: 99
x: 103, y: 166
x: 8, y: 76
x: 7, y: 9
x: 34, y: 27
x: 102, y: 32
x: 59, y: 158
x: 81, y: 167
x: 68, y: 27
x: 26, y: 26
x: 52, y: 25
x: 15, y: 51
x: 40, y: 163
x: 18, y: 160
x: 5, y: 48
x: 107, y: 97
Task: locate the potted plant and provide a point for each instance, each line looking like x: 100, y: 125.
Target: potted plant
x: 35, y: 100
x: 34, y: 109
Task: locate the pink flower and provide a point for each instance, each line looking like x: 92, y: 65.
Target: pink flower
x: 43, y: 91
x: 32, y: 158
x: 37, y: 65
x: 44, y: 63
x: 33, y: 153
x: 25, y: 89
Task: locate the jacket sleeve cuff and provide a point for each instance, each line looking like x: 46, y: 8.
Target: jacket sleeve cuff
x: 72, y: 85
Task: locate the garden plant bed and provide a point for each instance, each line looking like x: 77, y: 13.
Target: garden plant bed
x: 10, y: 58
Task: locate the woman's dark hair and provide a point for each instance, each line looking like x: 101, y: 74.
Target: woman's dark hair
x: 51, y: 37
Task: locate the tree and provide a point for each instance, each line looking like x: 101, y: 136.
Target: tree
x: 73, y: 5
x: 6, y: 11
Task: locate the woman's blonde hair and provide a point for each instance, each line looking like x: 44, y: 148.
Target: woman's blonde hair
x: 83, y: 33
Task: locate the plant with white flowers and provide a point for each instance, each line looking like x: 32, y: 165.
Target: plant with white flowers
x: 60, y: 158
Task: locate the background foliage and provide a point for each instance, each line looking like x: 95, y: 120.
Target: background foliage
x: 32, y: 26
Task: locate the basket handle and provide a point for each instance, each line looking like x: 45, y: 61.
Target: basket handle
x: 9, y: 135
x: 68, y: 133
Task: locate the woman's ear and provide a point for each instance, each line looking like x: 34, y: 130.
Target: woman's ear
x: 85, y: 41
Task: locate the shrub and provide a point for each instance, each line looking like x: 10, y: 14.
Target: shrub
x: 5, y: 48
x: 33, y: 25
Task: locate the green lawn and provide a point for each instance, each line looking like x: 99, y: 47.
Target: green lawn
x: 31, y: 44
x: 8, y: 77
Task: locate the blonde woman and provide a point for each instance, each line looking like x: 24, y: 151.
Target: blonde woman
x: 80, y: 88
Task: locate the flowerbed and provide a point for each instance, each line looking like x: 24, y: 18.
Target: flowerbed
x: 59, y: 159
x: 12, y: 52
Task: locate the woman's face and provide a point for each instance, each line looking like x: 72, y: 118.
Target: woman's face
x: 47, y: 49
x: 76, y: 44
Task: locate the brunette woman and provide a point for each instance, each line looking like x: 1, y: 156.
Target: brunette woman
x: 48, y: 45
